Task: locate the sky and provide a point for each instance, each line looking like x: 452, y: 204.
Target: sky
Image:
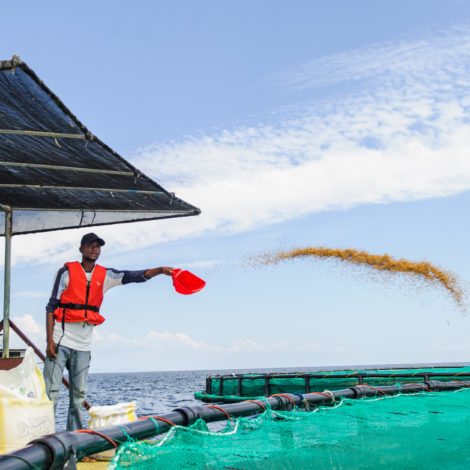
x: 290, y: 124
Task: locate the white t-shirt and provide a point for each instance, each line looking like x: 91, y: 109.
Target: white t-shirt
x: 78, y: 335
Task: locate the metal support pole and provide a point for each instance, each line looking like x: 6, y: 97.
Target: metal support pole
x: 6, y: 284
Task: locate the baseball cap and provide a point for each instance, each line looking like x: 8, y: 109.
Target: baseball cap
x: 91, y: 237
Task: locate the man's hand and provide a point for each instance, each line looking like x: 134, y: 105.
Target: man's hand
x: 156, y: 271
x: 167, y: 271
x: 50, y: 350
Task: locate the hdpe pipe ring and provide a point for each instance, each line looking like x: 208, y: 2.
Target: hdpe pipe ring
x: 358, y: 391
x: 190, y: 414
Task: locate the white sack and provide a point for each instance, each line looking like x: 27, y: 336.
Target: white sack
x: 25, y: 411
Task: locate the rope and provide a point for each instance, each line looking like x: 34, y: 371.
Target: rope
x: 258, y: 403
x: 420, y: 385
x: 220, y: 409
x: 91, y: 431
x: 286, y: 396
x: 330, y: 395
x: 463, y: 383
x: 375, y: 388
x: 304, y: 401
x: 154, y: 421
x: 158, y: 417
x: 129, y: 438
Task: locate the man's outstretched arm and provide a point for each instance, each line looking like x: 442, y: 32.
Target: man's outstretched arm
x: 115, y: 277
x: 149, y: 273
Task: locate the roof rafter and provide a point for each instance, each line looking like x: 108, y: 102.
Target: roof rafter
x: 71, y: 168
x: 61, y: 135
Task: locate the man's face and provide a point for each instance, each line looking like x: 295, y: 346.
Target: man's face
x: 91, y: 251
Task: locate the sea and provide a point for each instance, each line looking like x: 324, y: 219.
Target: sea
x: 157, y: 393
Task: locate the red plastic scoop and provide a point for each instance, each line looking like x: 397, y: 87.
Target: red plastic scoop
x: 186, y: 283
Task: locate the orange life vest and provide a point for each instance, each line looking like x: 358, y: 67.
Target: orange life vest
x: 81, y: 300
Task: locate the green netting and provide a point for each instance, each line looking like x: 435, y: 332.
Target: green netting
x: 426, y: 430
x: 236, y: 388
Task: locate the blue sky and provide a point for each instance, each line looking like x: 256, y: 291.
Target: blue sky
x: 342, y: 124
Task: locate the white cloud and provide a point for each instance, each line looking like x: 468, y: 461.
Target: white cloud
x: 28, y: 323
x: 154, y: 339
x: 32, y: 294
x: 401, y: 133
x: 426, y: 59
x: 245, y: 345
x: 203, y: 263
x: 461, y: 347
x: 380, y: 143
x: 166, y: 341
x: 35, y: 331
x: 166, y: 344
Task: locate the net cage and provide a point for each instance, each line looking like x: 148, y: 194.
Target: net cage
x: 232, y: 388
x: 55, y: 174
x: 420, y: 430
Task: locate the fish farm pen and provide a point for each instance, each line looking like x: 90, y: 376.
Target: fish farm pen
x: 408, y: 425
x: 237, y: 387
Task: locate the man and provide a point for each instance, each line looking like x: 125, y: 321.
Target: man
x: 72, y: 313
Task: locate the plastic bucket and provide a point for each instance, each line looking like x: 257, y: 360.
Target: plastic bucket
x: 186, y: 282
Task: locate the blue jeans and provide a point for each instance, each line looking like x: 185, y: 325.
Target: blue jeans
x: 77, y: 363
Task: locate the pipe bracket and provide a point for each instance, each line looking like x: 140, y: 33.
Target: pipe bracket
x: 190, y: 414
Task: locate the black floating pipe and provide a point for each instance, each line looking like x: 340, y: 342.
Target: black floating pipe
x: 60, y: 450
